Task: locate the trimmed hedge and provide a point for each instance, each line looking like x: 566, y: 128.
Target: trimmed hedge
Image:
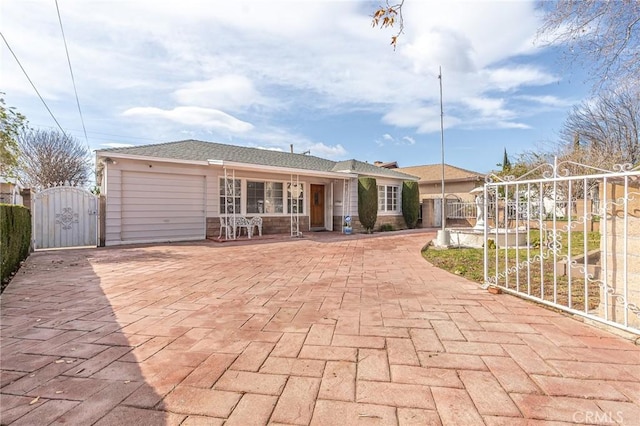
x: 15, y: 239
x: 367, y: 203
x: 410, y: 203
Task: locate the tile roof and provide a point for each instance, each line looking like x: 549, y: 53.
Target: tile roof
x: 193, y: 150
x: 433, y: 172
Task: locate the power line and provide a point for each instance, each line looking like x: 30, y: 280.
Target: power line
x: 32, y: 85
x: 126, y: 137
x: 73, y: 80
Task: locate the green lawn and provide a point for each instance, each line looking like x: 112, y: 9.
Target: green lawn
x: 469, y: 263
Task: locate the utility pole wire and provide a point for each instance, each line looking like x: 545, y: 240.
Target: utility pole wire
x: 32, y: 85
x: 73, y: 80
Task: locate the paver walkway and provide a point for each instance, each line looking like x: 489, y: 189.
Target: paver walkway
x: 348, y: 332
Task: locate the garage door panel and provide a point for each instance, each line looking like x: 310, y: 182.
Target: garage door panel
x: 175, y: 226
x: 141, y: 223
x: 151, y: 178
x: 141, y: 205
x: 161, y: 206
x: 176, y: 191
x: 161, y: 214
x: 162, y: 235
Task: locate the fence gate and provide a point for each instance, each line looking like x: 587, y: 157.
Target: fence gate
x: 567, y: 239
x: 64, y: 216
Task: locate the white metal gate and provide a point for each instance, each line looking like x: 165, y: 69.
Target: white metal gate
x: 64, y: 216
x: 567, y: 239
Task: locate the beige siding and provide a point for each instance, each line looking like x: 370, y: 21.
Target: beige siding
x: 159, y: 206
x: 459, y: 189
x: 154, y: 201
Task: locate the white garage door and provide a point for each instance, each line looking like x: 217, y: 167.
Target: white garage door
x: 162, y: 207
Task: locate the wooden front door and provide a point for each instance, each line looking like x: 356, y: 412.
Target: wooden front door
x: 317, y: 206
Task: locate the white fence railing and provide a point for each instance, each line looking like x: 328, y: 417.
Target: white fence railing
x: 532, y: 210
x: 578, y: 256
x: 460, y: 210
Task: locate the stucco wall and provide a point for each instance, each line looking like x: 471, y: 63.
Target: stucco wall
x: 618, y: 253
x: 458, y: 189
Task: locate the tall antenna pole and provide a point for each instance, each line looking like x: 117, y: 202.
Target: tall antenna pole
x: 442, y: 150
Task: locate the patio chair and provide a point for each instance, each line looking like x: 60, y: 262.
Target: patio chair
x: 226, y: 226
x: 242, y: 222
x: 256, y: 221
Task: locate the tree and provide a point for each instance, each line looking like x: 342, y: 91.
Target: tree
x: 506, y: 164
x: 603, y: 131
x: 367, y: 203
x: 410, y: 203
x: 604, y: 32
x: 50, y: 157
x: 11, y: 124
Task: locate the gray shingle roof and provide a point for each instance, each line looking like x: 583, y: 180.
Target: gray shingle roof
x: 193, y: 150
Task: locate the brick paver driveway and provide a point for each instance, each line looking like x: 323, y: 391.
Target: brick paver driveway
x: 350, y: 332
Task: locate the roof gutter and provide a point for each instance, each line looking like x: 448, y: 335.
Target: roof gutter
x: 405, y: 177
x: 108, y: 154
x: 277, y: 169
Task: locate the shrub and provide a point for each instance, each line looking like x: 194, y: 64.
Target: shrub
x: 410, y: 203
x: 367, y: 203
x: 386, y: 227
x: 15, y: 239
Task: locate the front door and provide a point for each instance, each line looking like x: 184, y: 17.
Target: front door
x: 317, y: 206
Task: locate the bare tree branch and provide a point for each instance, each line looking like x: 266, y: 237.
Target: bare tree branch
x: 601, y: 34
x: 49, y: 157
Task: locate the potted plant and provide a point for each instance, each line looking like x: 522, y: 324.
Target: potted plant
x: 347, y: 225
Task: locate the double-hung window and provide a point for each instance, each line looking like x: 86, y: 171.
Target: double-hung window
x: 388, y: 198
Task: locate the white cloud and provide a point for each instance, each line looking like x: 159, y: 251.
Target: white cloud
x: 226, y: 92
x: 320, y: 149
x: 489, y: 107
x: 116, y: 145
x: 548, y: 101
x: 275, y: 63
x: 508, y: 78
x: 192, y: 116
x: 409, y: 140
x: 440, y: 46
x: 388, y: 139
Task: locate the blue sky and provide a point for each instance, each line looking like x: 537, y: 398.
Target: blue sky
x: 311, y: 73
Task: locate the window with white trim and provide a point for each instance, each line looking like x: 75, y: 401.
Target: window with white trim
x: 388, y: 198
x: 233, y: 196
x: 295, y: 192
x: 264, y: 197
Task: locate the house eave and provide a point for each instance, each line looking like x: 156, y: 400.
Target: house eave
x: 278, y: 169
x: 112, y: 155
x: 467, y: 179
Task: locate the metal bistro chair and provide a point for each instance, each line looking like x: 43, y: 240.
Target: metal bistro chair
x: 231, y: 225
x: 256, y: 221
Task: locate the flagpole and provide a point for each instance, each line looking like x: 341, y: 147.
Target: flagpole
x: 442, y: 149
x: 443, y: 234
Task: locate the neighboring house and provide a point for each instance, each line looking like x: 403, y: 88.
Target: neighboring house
x: 11, y: 191
x: 458, y: 182
x: 176, y: 191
